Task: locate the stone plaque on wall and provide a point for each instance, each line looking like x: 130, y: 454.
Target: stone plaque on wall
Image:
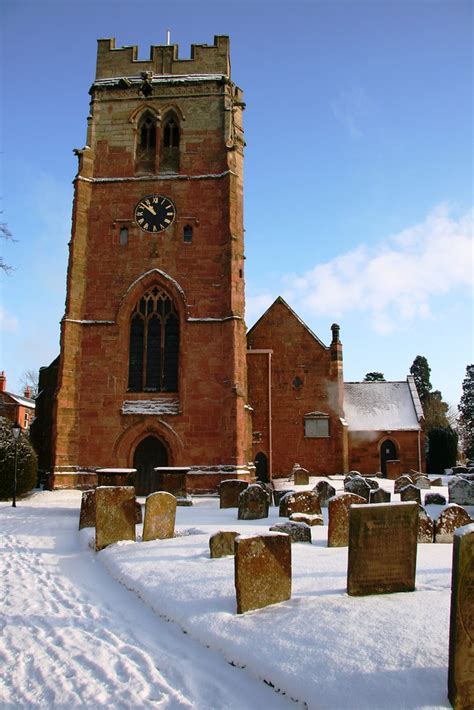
x: 115, y: 515
x: 461, y: 633
x: 382, y: 548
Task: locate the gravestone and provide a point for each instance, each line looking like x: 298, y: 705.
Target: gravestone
x: 435, y: 499
x: 358, y: 486
x: 459, y: 469
x: 450, y: 519
x: 324, y: 491
x: 115, y: 515
x: 308, y: 519
x: 254, y: 502
x: 401, y: 482
x: 372, y: 483
x: 436, y: 482
x: 410, y: 493
x: 229, y: 491
x: 160, y: 516
x: 394, y: 469
x: 262, y: 570
x: 300, y: 502
x: 268, y: 487
x: 461, y: 631
x: 298, y: 532
x: 222, y: 543
x: 300, y: 477
x: 425, y: 526
x: 382, y: 548
x: 278, y: 495
x: 380, y: 496
x: 338, y: 511
x: 423, y: 482
x: 87, y: 514
x: 171, y: 479
x: 461, y: 491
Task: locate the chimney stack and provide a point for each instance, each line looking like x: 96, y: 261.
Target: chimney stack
x: 3, y: 381
x: 28, y: 392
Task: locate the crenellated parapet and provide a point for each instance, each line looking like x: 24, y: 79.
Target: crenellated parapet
x: 164, y: 60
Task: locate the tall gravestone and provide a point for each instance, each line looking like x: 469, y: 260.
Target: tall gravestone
x: 160, y: 516
x: 338, y: 513
x: 229, y: 491
x: 114, y: 515
x: 254, y: 502
x: 262, y: 570
x: 461, y: 633
x: 382, y: 548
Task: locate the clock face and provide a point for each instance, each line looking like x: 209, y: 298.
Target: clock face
x: 155, y: 213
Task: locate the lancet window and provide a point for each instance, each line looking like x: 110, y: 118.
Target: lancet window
x: 169, y: 156
x: 145, y: 154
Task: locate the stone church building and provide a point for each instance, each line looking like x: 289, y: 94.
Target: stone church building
x: 156, y: 367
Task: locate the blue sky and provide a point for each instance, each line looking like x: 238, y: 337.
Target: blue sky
x: 358, y: 172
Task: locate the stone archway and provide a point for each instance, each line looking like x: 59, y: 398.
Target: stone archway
x: 150, y: 453
x: 388, y: 452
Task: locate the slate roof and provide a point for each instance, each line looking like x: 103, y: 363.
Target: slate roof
x: 382, y: 406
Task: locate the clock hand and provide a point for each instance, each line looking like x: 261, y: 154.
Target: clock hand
x: 150, y: 209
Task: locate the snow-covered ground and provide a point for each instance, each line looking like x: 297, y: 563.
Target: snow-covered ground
x: 154, y: 624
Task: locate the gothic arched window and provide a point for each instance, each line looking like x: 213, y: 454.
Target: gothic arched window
x: 169, y: 155
x: 154, y: 344
x: 146, y: 144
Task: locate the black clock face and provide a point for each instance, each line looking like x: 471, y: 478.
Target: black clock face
x: 155, y: 213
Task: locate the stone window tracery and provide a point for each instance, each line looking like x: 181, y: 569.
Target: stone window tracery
x: 145, y: 154
x: 169, y: 154
x: 154, y: 344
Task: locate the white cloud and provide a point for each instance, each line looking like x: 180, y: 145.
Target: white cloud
x: 8, y: 323
x: 255, y: 306
x: 395, y: 280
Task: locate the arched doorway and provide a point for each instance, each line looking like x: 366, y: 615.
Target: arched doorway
x: 388, y: 452
x: 261, y: 463
x: 150, y: 453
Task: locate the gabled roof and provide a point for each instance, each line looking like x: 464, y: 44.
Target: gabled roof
x: 23, y: 401
x: 382, y: 406
x: 281, y: 301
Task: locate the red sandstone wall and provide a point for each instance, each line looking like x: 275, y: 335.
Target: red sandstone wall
x: 364, y: 450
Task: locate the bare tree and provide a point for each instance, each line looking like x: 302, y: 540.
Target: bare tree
x: 5, y: 233
x: 29, y: 378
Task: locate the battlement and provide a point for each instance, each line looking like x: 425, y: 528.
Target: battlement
x: 123, y: 62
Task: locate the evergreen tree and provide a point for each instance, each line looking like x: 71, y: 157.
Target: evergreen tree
x: 421, y: 374
x: 374, y: 377
x: 435, y: 411
x: 466, y: 410
x: 442, y: 449
x: 26, y: 462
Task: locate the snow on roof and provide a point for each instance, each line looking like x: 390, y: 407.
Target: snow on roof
x: 380, y: 406
x: 24, y: 401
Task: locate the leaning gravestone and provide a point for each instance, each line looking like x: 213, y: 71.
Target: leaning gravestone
x: 300, y: 502
x: 160, y: 516
x: 423, y: 482
x: 254, y: 502
x: 358, y: 486
x: 87, y: 514
x: 380, y: 496
x: 262, y: 570
x: 401, y: 482
x: 115, y: 515
x: 324, y: 491
x: 410, y: 493
x: 461, y: 491
x: 222, y: 543
x: 461, y: 632
x: 425, y: 526
x: 338, y: 511
x: 298, y: 532
x: 450, y: 519
x: 229, y: 491
x: 382, y: 548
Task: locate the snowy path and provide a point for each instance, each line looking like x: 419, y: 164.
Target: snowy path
x: 72, y: 636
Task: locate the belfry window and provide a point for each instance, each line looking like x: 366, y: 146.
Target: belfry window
x: 169, y: 156
x: 146, y: 144
x: 154, y: 344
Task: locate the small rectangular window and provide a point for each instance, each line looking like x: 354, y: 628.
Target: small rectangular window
x: 187, y: 234
x: 316, y: 428
x: 123, y: 236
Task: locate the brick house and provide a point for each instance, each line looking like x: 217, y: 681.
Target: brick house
x: 18, y: 408
x: 156, y: 367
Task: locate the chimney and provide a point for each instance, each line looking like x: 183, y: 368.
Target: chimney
x: 3, y: 381
x: 28, y: 392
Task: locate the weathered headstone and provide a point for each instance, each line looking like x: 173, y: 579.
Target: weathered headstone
x: 160, y: 516
x: 262, y: 570
x: 358, y: 486
x: 461, y: 491
x: 300, y: 502
x: 338, y: 511
x: 461, y: 631
x: 450, y: 519
x: 425, y: 526
x: 423, y: 482
x: 436, y: 481
x: 308, y: 519
x: 268, y: 487
x: 229, y: 491
x: 393, y: 468
x: 87, y: 514
x: 278, y: 495
x: 324, y: 491
x: 298, y: 532
x: 300, y: 477
x: 410, y: 493
x: 222, y: 543
x: 382, y: 548
x: 459, y: 469
x: 380, y: 496
x: 401, y: 482
x: 115, y: 515
x: 435, y: 499
x: 254, y: 502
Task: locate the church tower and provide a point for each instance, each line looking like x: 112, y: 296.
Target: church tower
x: 153, y: 367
